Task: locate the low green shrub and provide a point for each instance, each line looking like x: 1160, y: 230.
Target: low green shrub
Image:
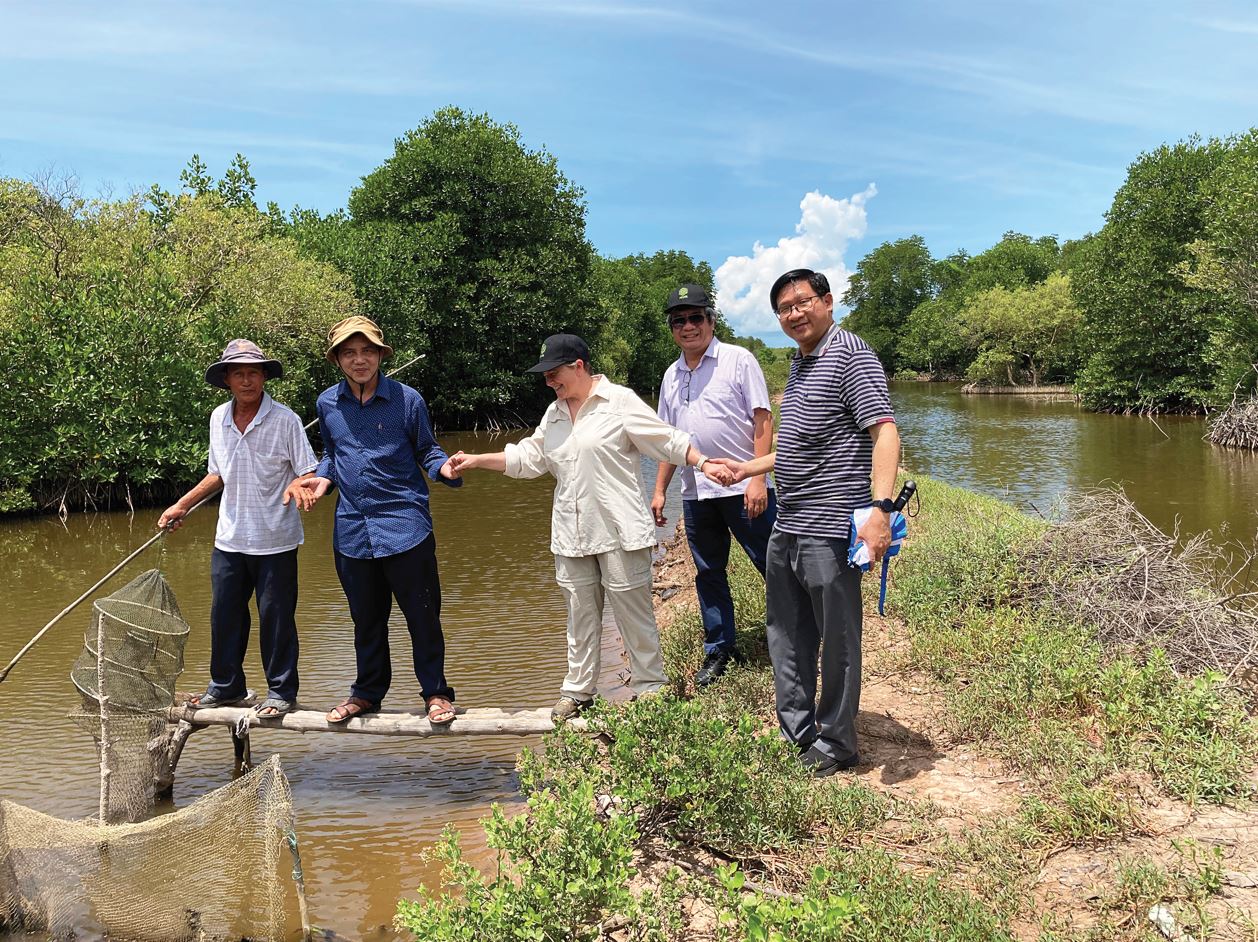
x: 685, y: 774
x: 562, y: 870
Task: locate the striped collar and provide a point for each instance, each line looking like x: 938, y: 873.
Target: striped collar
x: 822, y: 346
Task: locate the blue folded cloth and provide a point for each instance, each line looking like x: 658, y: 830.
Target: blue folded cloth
x: 858, y: 552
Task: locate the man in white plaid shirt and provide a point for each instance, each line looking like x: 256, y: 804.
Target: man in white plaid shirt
x: 257, y: 447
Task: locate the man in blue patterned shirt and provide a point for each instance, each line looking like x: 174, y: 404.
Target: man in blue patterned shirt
x: 377, y: 437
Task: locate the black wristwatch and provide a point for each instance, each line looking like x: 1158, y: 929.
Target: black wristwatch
x: 886, y: 505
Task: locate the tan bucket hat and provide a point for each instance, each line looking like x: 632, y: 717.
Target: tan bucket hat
x: 341, y: 331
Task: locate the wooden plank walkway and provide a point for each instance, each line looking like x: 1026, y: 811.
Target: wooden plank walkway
x: 478, y: 721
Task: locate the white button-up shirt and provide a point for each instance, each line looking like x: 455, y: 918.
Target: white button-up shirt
x: 716, y: 404
x: 256, y: 465
x: 596, y: 464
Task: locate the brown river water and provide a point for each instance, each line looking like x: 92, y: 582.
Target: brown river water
x: 366, y: 807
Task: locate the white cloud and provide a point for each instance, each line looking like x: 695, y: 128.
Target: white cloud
x: 825, y: 228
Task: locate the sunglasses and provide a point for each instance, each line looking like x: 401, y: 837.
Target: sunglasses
x: 680, y: 321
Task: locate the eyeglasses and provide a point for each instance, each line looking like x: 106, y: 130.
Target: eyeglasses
x: 804, y: 305
x: 683, y: 320
x: 686, y: 388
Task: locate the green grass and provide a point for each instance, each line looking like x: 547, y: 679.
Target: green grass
x: 1034, y: 684
x: 667, y: 777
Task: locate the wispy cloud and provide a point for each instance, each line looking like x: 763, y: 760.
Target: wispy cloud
x: 826, y: 226
x: 1243, y: 27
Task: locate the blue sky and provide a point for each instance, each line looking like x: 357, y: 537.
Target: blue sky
x: 703, y: 126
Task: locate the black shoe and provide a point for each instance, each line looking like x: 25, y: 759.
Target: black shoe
x: 714, y: 665
x: 822, y: 765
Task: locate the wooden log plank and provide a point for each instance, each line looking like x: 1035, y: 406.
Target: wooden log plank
x: 479, y: 721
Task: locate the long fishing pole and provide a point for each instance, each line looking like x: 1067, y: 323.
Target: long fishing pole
x: 161, y: 533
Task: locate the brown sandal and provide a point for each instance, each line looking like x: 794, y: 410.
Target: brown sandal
x: 440, y: 710
x: 351, y: 707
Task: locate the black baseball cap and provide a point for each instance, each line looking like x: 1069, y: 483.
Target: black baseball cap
x: 560, y: 349
x: 688, y: 296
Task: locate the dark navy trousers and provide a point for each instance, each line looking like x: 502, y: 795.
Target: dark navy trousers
x: 709, y: 524
x: 370, y: 587
x: 234, y: 577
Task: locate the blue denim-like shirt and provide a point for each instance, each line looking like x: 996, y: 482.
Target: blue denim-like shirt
x: 373, y: 453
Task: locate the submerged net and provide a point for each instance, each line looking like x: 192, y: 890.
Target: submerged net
x: 132, y: 655
x: 208, y: 871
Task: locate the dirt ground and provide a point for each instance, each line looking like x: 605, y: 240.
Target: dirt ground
x: 906, y: 755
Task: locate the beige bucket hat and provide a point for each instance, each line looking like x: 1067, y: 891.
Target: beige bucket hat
x: 341, y: 331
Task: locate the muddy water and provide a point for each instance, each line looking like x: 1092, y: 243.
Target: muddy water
x: 367, y: 807
x: 1032, y: 451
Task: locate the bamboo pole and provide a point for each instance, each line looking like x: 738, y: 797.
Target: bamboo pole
x: 474, y: 722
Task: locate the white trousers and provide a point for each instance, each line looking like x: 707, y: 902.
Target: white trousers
x: 624, y: 577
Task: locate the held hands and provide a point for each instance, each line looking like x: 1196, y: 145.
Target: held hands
x: 876, y: 534
x: 306, y: 492
x: 459, y: 462
x: 450, y: 471
x: 724, y: 471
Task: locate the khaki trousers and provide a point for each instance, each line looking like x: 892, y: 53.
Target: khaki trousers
x: 624, y: 577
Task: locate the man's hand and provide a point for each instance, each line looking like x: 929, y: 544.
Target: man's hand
x: 724, y: 471
x: 756, y: 497
x: 461, y: 461
x: 876, y: 534
x: 450, y: 471
x: 306, y: 492
x: 657, y: 509
x: 171, y: 518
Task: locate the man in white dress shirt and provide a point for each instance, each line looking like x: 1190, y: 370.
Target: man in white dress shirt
x: 717, y: 394
x: 257, y: 447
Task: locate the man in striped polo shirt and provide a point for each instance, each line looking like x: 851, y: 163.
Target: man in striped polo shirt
x: 837, y: 434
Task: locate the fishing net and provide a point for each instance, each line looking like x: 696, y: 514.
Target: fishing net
x: 132, y: 656
x: 212, y: 870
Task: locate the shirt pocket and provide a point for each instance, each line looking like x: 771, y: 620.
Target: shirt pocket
x: 721, y: 399
x: 272, y: 472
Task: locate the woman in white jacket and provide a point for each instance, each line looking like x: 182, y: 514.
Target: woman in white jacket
x: 591, y: 440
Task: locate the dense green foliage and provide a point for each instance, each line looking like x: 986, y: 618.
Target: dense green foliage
x: 113, y: 309
x: 633, y: 343
x: 1160, y: 309
x: 468, y: 247
x: 888, y: 284
x: 980, y: 315
x: 1149, y: 331
x: 1029, y: 331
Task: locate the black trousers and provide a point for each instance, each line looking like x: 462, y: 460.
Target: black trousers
x: 234, y: 577
x: 370, y: 587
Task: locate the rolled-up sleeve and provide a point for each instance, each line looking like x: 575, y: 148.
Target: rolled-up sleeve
x: 527, y: 457
x: 651, y: 435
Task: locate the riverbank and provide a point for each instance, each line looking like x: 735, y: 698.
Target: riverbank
x: 980, y: 389
x: 1017, y: 783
